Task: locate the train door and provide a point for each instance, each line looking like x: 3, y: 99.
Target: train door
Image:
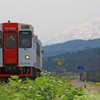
x: 0, y: 49
x: 10, y: 48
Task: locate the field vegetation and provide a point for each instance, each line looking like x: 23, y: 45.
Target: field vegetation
x: 93, y: 83
x: 44, y: 88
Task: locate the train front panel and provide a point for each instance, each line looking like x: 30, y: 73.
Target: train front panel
x: 18, y: 50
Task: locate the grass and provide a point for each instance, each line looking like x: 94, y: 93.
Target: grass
x: 93, y: 83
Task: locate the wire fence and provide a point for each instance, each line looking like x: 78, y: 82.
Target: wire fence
x: 93, y: 75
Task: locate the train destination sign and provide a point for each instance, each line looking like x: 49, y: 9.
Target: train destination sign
x: 59, y: 63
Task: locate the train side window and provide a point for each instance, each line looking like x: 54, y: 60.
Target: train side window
x: 38, y: 49
x: 0, y: 39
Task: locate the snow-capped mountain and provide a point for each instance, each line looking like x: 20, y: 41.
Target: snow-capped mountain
x: 89, y: 30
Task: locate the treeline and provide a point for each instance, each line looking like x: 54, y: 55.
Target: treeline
x: 69, y: 46
x: 75, y: 59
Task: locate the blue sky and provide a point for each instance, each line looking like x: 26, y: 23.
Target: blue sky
x: 49, y: 16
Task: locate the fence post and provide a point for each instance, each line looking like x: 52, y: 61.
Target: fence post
x: 84, y: 81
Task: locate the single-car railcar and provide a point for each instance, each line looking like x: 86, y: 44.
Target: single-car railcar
x: 20, y: 50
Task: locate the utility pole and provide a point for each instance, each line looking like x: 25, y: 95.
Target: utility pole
x: 87, y: 62
x: 97, y: 52
x: 73, y: 64
x: 87, y: 58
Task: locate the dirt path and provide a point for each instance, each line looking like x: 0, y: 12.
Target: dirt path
x: 89, y: 87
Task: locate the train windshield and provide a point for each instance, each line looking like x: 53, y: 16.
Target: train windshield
x: 25, y: 40
x: 10, y: 42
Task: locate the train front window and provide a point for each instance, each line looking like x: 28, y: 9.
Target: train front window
x: 25, y: 40
x: 10, y: 41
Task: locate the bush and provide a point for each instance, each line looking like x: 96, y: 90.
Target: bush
x: 43, y: 88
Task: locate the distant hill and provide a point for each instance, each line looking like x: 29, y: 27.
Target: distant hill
x: 70, y: 46
x: 88, y: 30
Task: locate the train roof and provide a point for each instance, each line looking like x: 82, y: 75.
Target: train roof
x: 16, y: 22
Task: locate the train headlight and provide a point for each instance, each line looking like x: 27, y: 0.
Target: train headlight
x: 27, y: 57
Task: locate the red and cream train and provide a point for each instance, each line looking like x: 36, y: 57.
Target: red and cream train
x: 20, y: 50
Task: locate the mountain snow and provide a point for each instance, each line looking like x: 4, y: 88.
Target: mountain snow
x: 89, y: 30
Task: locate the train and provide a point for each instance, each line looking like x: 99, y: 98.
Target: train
x: 20, y: 50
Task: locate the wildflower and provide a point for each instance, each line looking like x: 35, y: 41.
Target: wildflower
x: 47, y: 97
